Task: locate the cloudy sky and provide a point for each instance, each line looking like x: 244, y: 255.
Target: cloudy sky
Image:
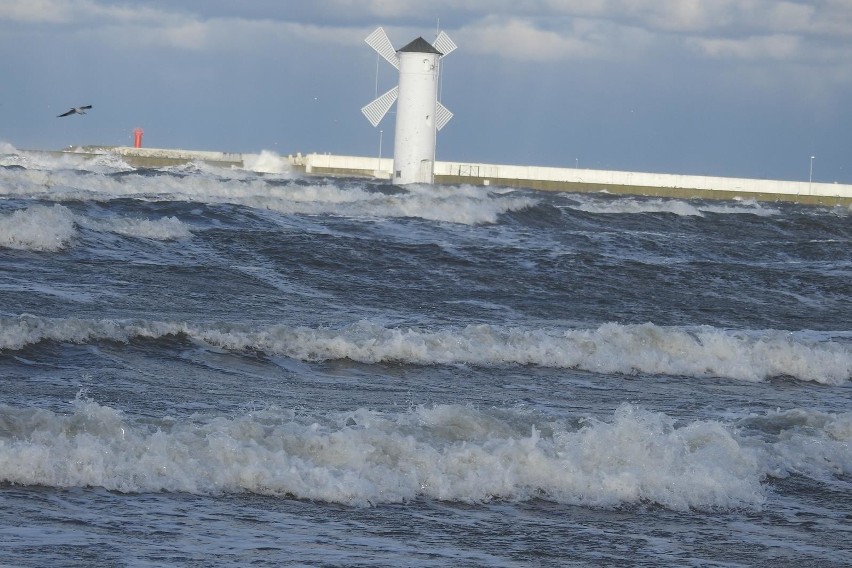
x: 749, y: 88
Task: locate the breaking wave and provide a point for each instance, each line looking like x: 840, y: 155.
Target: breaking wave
x: 53, y: 228
x: 701, y: 352
x: 464, y: 205
x: 38, y: 228
x: 626, y: 205
x: 447, y: 452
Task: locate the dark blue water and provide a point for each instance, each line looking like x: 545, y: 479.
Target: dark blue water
x: 201, y: 366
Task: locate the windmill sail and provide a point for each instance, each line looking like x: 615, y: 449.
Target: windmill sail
x: 376, y: 110
x: 444, y: 44
x: 379, y: 41
x: 442, y: 117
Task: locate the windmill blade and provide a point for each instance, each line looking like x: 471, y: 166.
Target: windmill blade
x: 376, y: 110
x: 444, y: 44
x: 442, y: 116
x: 379, y: 41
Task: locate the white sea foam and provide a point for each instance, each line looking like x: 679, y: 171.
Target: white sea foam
x: 53, y: 162
x: 610, y: 348
x: 805, y: 442
x: 702, y: 352
x: 17, y: 333
x: 44, y: 228
x: 745, y: 207
x: 467, y: 205
x: 679, y: 207
x: 39, y: 228
x: 222, y: 173
x: 105, y: 163
x: 266, y: 162
x: 447, y: 452
x: 424, y: 202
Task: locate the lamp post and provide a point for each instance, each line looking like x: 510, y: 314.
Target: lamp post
x: 811, y: 176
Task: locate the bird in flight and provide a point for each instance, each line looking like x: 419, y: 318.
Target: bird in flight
x: 76, y: 110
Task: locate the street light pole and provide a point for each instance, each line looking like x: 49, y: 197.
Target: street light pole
x: 811, y: 176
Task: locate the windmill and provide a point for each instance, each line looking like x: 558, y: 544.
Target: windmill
x: 419, y: 114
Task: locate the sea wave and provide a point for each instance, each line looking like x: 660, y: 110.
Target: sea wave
x: 53, y: 228
x: 447, y: 452
x: 464, y: 205
x: 700, y: 352
x: 162, y: 229
x: 267, y: 162
x: 682, y: 208
x: 39, y: 228
x: 53, y: 161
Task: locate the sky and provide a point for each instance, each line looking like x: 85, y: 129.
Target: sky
x: 742, y: 88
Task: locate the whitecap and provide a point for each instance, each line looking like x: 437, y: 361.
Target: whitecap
x: 446, y: 452
x: 702, y: 352
x: 38, y: 228
x: 681, y: 208
x: 267, y: 162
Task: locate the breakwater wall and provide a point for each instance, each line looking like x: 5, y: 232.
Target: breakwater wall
x: 589, y: 180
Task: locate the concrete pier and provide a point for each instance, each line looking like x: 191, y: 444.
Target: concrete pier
x: 588, y: 180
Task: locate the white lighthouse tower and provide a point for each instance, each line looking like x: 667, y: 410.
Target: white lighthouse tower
x: 419, y: 114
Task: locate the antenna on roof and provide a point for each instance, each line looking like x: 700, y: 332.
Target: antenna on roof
x: 419, y: 114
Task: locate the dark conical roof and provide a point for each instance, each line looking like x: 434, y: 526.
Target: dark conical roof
x: 420, y: 45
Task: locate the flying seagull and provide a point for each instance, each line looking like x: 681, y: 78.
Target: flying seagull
x: 77, y: 110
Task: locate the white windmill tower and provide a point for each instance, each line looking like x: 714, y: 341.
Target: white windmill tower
x: 419, y: 114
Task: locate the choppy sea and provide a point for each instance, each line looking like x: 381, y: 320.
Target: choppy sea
x: 203, y: 366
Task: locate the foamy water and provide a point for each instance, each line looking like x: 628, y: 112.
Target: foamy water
x: 610, y: 348
x: 444, y: 452
x: 37, y: 228
x: 684, y: 208
x: 84, y: 181
x: 52, y: 229
x: 218, y: 366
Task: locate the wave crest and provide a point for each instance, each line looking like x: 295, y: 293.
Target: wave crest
x: 611, y: 348
x: 447, y: 452
x: 681, y: 208
x: 465, y: 205
x: 38, y: 228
